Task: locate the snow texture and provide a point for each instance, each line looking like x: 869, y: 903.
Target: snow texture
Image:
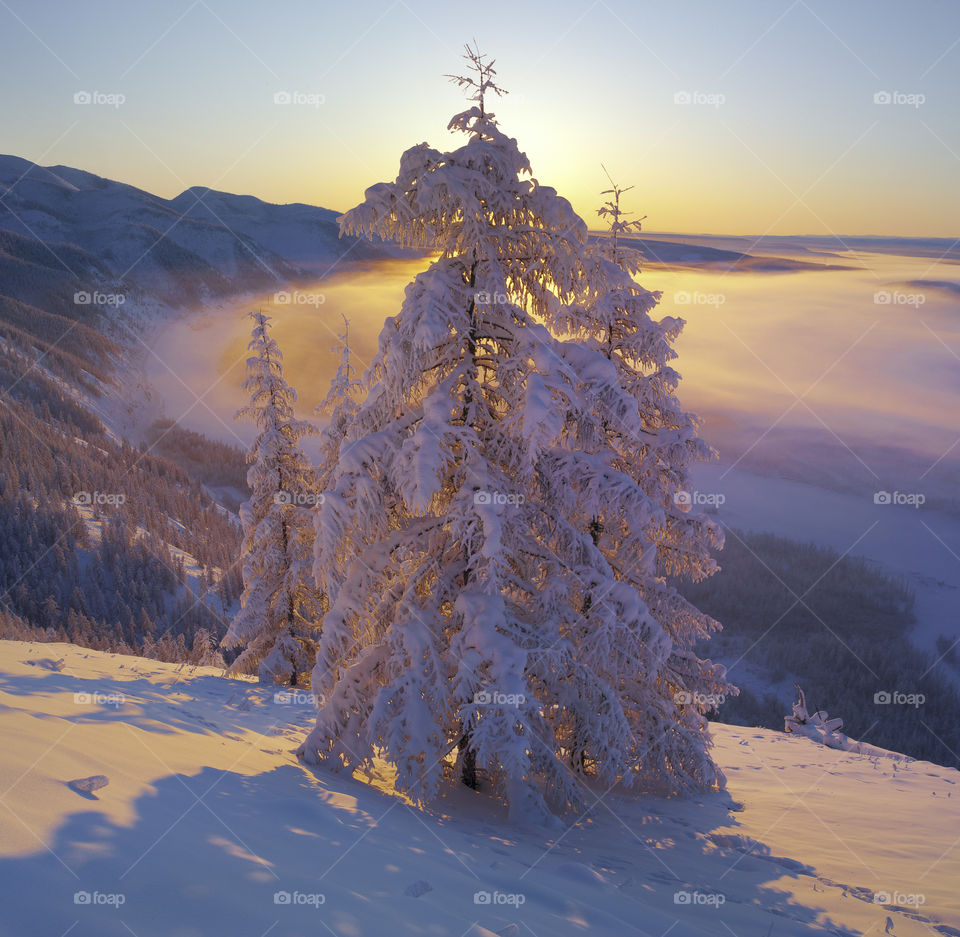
x: 213, y: 817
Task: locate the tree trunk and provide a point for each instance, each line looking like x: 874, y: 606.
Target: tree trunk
x: 468, y: 762
x: 468, y: 755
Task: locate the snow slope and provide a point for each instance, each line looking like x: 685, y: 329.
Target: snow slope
x: 208, y: 821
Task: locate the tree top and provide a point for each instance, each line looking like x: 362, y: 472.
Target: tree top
x: 478, y: 85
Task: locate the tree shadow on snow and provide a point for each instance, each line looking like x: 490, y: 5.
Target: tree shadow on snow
x: 172, y: 706
x: 220, y: 852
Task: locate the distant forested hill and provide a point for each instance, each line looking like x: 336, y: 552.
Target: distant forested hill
x: 104, y: 543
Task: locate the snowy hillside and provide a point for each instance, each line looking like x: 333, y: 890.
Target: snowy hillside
x: 89, y: 268
x: 202, y: 243
x: 209, y: 825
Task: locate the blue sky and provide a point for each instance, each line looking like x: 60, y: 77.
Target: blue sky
x: 746, y: 117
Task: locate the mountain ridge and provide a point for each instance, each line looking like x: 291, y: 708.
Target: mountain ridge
x: 202, y: 243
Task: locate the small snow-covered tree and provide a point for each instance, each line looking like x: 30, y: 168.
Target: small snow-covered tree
x: 340, y: 405
x: 280, y: 605
x: 647, y: 440
x: 489, y: 556
x: 203, y: 651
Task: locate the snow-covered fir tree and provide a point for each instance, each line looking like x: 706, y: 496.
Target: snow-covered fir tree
x: 494, y: 566
x: 280, y: 605
x: 655, y: 454
x: 204, y: 651
x: 340, y: 405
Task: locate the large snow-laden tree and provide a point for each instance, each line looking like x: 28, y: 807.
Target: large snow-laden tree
x: 485, y: 552
x: 280, y: 605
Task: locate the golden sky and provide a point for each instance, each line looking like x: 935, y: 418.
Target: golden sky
x: 804, y: 117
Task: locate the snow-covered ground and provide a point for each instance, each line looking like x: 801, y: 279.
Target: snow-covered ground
x: 210, y: 826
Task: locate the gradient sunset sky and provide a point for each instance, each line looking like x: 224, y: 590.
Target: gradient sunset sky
x: 746, y: 117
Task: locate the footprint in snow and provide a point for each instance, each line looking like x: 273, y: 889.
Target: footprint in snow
x: 577, y: 872
x: 416, y: 889
x: 47, y: 663
x: 86, y: 786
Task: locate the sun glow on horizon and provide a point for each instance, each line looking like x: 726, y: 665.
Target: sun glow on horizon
x: 709, y: 122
